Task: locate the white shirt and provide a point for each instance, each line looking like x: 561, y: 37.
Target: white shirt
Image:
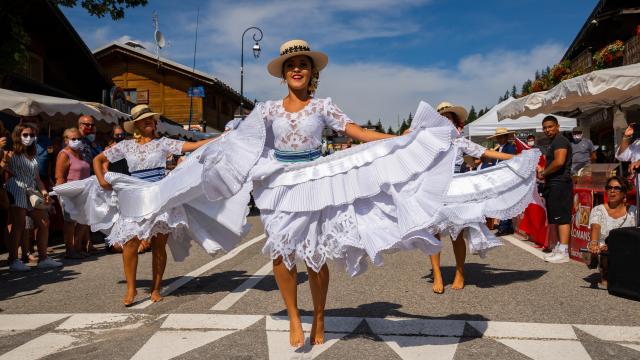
x: 600, y: 216
x: 632, y: 153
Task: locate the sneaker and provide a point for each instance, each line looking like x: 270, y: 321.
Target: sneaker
x: 552, y: 253
x: 18, y: 265
x: 48, y: 263
x: 558, y: 258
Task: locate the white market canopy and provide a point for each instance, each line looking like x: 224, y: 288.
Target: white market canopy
x: 27, y: 104
x: 486, y: 124
x: 597, y: 89
x: 177, y: 130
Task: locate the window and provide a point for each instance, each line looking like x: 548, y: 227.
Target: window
x: 132, y: 95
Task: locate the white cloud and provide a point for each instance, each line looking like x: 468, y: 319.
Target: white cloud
x: 369, y: 91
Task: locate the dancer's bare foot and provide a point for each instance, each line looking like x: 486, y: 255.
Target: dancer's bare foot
x: 296, y: 335
x: 155, y: 296
x: 317, y: 330
x: 458, y: 281
x: 438, y: 285
x: 130, y: 297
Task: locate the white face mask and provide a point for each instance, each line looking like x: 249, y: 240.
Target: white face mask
x: 577, y: 137
x: 28, y: 141
x: 75, y: 144
x: 531, y: 143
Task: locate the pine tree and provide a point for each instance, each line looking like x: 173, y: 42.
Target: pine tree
x: 480, y: 113
x: 390, y: 131
x: 379, y: 127
x: 537, y: 76
x: 513, y: 91
x: 472, y: 115
x: 526, y: 87
x: 369, y: 123
x: 403, y: 127
x: 506, y: 95
x: 410, y: 119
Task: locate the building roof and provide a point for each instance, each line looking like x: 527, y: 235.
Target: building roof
x: 610, y: 20
x: 201, y: 76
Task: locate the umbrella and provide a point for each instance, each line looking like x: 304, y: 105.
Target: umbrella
x: 27, y: 104
x: 486, y: 124
x: 597, y: 89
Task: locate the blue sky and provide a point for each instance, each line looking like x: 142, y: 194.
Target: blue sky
x: 385, y: 55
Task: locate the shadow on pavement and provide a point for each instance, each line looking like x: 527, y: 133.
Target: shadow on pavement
x: 485, y: 276
x: 20, y: 284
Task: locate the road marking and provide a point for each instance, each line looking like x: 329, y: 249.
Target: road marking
x: 199, y: 271
x: 631, y: 346
x: 12, y: 323
x: 418, y: 347
x: 243, y: 289
x: 165, y: 345
x: 499, y: 329
x: 520, y: 243
x: 279, y: 348
x: 549, y: 349
x: 612, y: 333
x: 42, y: 346
x: 210, y: 321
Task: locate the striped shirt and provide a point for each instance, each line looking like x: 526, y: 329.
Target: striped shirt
x: 23, y: 176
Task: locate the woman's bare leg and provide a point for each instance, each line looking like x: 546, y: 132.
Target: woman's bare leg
x: 287, y: 281
x: 159, y: 263
x: 438, y: 284
x: 17, y: 219
x: 460, y: 252
x: 319, y: 284
x: 83, y: 235
x: 41, y: 222
x: 130, y: 262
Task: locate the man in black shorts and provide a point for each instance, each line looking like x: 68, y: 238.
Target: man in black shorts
x: 558, y: 187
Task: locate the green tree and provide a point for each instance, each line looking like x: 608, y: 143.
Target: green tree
x: 526, y: 87
x: 379, y: 127
x: 369, y: 123
x: 472, y: 115
x: 390, y: 131
x: 403, y: 127
x: 537, y: 75
x: 514, y: 92
x: 13, y: 52
x: 409, y: 119
x: 481, y: 112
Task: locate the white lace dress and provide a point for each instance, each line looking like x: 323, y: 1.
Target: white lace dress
x: 600, y: 216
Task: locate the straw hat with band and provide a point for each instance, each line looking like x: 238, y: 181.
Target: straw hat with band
x: 293, y: 48
x: 501, y: 131
x: 139, y: 112
x: 445, y: 107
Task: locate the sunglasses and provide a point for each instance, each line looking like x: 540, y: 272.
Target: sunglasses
x: 88, y: 125
x: 614, y: 188
x: 28, y: 135
x: 75, y: 139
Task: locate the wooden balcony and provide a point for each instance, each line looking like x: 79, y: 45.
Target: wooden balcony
x: 631, y: 51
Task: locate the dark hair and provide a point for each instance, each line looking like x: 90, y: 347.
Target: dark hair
x: 623, y: 183
x: 18, y: 147
x: 531, y: 137
x: 550, y: 118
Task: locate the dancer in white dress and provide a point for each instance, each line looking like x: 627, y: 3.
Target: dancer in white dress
x: 386, y: 195
x: 458, y: 115
x: 146, y: 157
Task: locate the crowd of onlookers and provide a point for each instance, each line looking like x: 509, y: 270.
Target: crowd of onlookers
x: 31, y: 164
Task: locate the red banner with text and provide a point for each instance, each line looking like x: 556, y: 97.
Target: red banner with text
x: 580, y: 233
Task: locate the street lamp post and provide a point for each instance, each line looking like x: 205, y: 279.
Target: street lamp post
x: 257, y: 36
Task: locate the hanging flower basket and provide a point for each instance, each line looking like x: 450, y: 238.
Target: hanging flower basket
x: 609, y: 56
x: 559, y: 72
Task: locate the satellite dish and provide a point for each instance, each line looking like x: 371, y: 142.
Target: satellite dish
x: 160, y: 39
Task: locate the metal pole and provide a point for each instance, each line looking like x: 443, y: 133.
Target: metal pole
x: 256, y: 39
x: 193, y: 71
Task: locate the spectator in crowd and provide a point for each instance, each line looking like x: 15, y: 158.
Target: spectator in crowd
x: 24, y: 185
x: 629, y: 149
x: 89, y: 150
x: 531, y: 141
x: 71, y: 166
x: 505, y: 227
x: 558, y: 187
x: 584, y: 152
x: 118, y: 134
x: 614, y: 214
x: 87, y: 127
x: 4, y: 198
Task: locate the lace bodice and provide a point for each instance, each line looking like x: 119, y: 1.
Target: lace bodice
x: 466, y: 147
x: 302, y: 130
x: 144, y: 156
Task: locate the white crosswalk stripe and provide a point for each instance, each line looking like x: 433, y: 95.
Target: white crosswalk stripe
x: 409, y: 338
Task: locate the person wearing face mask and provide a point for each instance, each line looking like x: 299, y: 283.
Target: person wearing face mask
x: 531, y: 141
x: 24, y: 178
x: 584, y: 152
x: 71, y: 166
x: 118, y: 134
x: 87, y: 127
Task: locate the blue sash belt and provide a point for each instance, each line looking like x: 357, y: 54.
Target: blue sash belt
x: 298, y: 156
x: 151, y: 175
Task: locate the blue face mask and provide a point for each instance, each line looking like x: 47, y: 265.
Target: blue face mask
x: 91, y: 137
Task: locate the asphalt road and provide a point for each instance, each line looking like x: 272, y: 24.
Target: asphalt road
x: 514, y: 306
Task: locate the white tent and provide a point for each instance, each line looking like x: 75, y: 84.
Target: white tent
x: 597, y: 89
x: 177, y: 130
x: 27, y: 104
x: 486, y: 124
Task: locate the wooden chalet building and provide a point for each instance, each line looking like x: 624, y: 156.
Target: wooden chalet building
x: 164, y: 84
